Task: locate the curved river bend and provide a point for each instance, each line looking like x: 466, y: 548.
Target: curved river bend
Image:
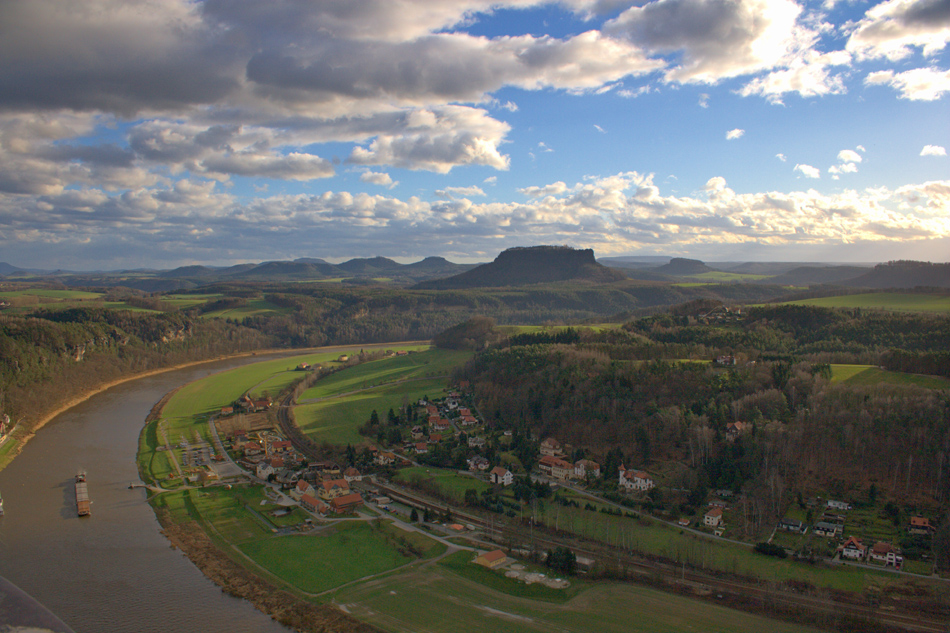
x: 113, y: 571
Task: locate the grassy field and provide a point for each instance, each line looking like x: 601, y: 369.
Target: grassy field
x: 347, y: 398
x: 428, y: 363
x: 75, y: 295
x: 872, y: 375
x: 337, y: 420
x: 449, y: 482
x: 718, y: 276
x: 255, y: 307
x: 319, y: 562
x: 903, y: 302
x: 439, y: 600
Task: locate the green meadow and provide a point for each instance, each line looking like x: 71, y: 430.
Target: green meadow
x: 899, y: 301
x: 873, y: 375
x: 445, y: 599
x: 254, y: 307
x: 336, y: 406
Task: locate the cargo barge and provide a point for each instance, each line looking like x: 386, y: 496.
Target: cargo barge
x: 82, y: 495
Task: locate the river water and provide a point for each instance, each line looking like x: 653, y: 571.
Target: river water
x: 113, y: 571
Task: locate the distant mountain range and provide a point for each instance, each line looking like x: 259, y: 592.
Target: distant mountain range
x: 513, y: 267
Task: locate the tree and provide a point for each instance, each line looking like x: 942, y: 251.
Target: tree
x: 414, y: 516
x: 374, y: 418
x: 562, y: 559
x: 471, y: 497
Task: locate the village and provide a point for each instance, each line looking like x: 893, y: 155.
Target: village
x: 449, y: 426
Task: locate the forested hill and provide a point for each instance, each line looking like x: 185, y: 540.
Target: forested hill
x: 628, y: 396
x: 531, y: 265
x: 904, y: 274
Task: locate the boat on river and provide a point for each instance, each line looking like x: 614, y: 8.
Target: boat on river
x: 82, y: 495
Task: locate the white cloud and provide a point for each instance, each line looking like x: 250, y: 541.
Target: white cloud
x: 704, y: 100
x: 548, y: 190
x: 808, y: 171
x: 378, y: 178
x: 892, y: 29
x: 806, y: 75
x: 920, y: 84
x: 618, y: 213
x: 716, y: 39
x: 438, y: 140
x: 933, y: 150
x: 734, y: 134
x: 599, y: 129
x: 460, y: 192
x: 781, y: 157
x: 848, y: 160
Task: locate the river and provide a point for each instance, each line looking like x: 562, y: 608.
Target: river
x: 113, y: 571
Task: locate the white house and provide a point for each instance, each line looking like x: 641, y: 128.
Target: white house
x: 838, y: 505
x: 887, y: 554
x: 853, y: 549
x: 584, y: 467
x: 501, y: 475
x: 264, y: 470
x: 713, y: 518
x: 635, y: 479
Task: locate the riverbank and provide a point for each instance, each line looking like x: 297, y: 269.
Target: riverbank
x: 45, y: 419
x: 20, y: 442
x: 235, y: 580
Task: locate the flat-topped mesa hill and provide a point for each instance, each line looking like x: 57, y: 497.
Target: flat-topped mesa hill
x: 526, y: 265
x: 682, y: 267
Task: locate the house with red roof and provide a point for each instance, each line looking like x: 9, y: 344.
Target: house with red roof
x: 346, y: 503
x: 713, y: 518
x: 501, y: 475
x: 853, y: 549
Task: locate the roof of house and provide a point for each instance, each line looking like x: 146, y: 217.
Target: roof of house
x: 881, y: 548
x: 550, y: 442
x: 852, y: 541
x: 499, y: 471
x: 549, y: 460
x: 920, y: 521
x: 346, y: 500
x: 715, y: 512
x: 351, y: 472
x: 492, y: 556
x: 338, y: 483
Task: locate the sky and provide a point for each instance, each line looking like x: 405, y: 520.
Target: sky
x: 160, y: 133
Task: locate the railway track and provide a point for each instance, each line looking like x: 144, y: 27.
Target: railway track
x: 753, y: 595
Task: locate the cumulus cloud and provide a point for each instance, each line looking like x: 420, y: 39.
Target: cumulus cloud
x: 920, y: 84
x: 438, y: 140
x: 734, y: 134
x: 378, y: 178
x: 933, y: 150
x: 848, y: 160
x: 451, y: 193
x: 716, y: 39
x: 893, y: 29
x: 808, y: 171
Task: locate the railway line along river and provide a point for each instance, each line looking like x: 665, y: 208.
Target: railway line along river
x: 112, y: 571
